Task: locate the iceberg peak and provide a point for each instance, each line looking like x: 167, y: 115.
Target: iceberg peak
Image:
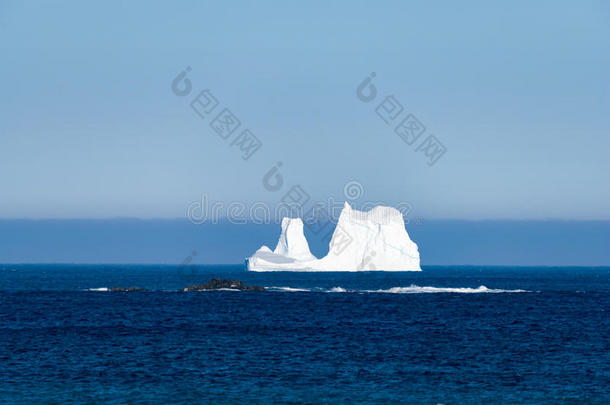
x: 292, y: 242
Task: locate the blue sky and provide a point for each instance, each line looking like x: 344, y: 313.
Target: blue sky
x: 517, y: 92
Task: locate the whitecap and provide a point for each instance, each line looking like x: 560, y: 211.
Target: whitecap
x: 412, y: 289
x: 415, y: 289
x: 287, y: 289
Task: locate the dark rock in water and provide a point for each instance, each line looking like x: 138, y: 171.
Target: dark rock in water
x: 128, y: 289
x: 219, y: 283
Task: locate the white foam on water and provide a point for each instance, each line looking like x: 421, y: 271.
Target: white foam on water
x: 412, y: 289
x: 287, y: 289
x: 415, y: 289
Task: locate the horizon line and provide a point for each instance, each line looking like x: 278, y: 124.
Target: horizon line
x: 293, y: 271
x: 226, y: 219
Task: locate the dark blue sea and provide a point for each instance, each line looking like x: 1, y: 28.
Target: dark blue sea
x: 449, y: 335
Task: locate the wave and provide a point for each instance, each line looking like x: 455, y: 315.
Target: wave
x: 412, y: 289
x: 415, y: 289
x: 287, y: 289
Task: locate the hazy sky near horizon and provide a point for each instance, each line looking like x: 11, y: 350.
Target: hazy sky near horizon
x: 519, y: 94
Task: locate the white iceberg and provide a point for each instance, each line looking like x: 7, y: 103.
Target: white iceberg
x: 362, y: 241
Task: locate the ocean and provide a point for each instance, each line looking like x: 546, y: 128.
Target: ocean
x: 446, y: 335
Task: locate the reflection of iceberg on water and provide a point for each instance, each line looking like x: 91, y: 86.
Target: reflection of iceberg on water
x: 362, y: 241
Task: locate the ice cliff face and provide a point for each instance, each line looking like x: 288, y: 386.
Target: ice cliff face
x: 362, y: 241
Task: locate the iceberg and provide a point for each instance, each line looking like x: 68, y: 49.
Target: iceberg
x: 362, y: 241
